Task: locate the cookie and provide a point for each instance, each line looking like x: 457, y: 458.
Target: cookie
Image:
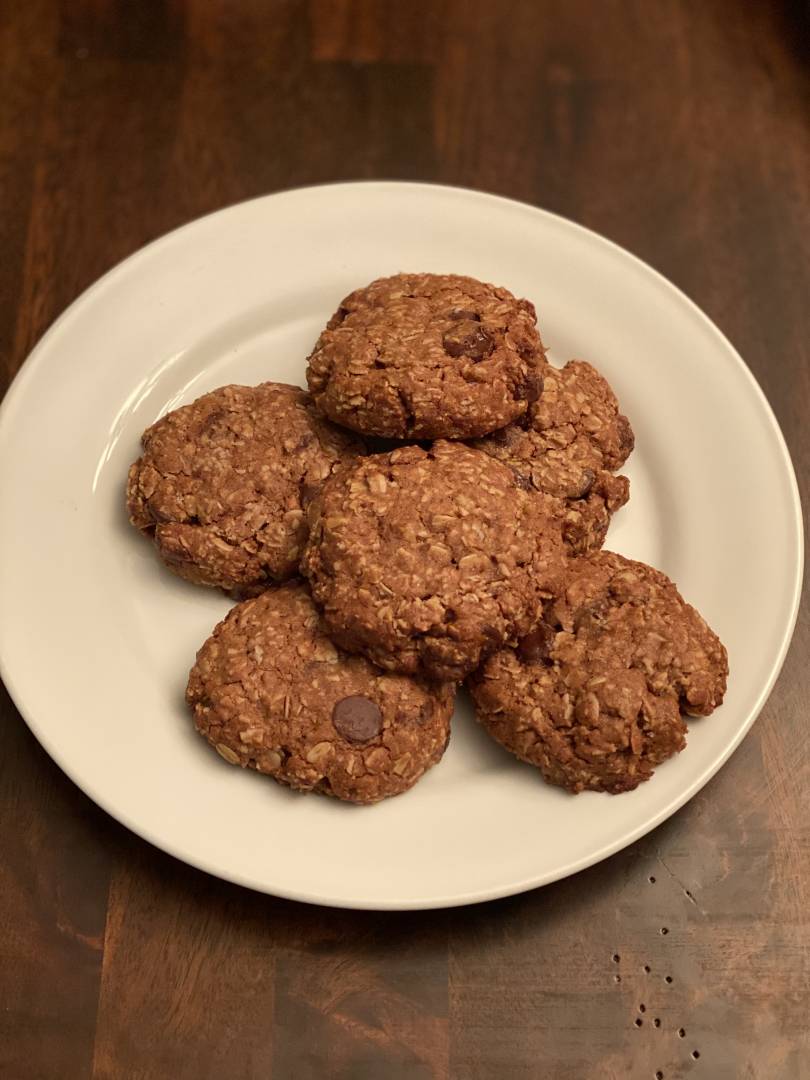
x: 427, y: 356
x: 269, y: 691
x: 568, y: 445
x: 428, y: 560
x: 222, y: 483
x: 593, y: 696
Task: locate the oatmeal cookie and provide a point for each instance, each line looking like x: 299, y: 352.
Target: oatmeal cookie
x: 428, y: 560
x: 427, y: 356
x: 222, y: 483
x: 593, y: 696
x: 568, y: 445
x: 271, y: 692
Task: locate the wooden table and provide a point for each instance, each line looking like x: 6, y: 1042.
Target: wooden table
x: 680, y: 129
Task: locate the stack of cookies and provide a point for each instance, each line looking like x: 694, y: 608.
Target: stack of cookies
x: 431, y: 513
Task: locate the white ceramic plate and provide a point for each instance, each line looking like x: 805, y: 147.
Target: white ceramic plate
x: 96, y: 638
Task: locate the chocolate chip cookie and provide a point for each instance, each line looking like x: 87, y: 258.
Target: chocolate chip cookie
x: 428, y: 560
x: 593, y: 696
x: 222, y: 483
x: 568, y: 445
x: 427, y: 356
x: 271, y: 692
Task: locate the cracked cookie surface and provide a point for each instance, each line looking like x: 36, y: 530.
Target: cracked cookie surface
x: 222, y: 484
x: 426, y: 356
x: 568, y: 445
x: 269, y: 691
x: 593, y: 696
x: 428, y: 560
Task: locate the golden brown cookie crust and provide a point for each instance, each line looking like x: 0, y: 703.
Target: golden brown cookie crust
x: 427, y: 356
x: 222, y: 484
x: 428, y: 560
x: 568, y: 445
x: 593, y: 696
x: 269, y: 691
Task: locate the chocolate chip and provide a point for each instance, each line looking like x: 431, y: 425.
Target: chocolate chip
x: 304, y: 442
x: 499, y: 437
x: 357, y: 719
x: 530, y: 388
x: 580, y: 490
x: 308, y: 492
x: 464, y: 313
x: 337, y: 318
x: 626, y: 437
x: 212, y: 421
x: 468, y: 339
x: 536, y: 646
x: 590, y: 615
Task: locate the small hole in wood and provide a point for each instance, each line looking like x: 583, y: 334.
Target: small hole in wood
x: 668, y: 979
x: 642, y: 1007
x: 638, y: 1021
x: 664, y: 930
x: 617, y: 978
x: 681, y: 1033
x: 659, y: 1075
x: 657, y: 1022
x: 651, y: 879
x: 647, y: 969
x: 689, y: 894
x: 695, y: 1054
x: 615, y: 958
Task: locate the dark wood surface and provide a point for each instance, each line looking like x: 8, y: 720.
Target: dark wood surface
x: 680, y: 129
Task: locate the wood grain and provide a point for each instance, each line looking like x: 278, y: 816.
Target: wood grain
x: 188, y: 981
x: 681, y: 130
x: 54, y: 878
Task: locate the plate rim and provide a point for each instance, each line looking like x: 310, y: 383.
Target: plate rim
x: 31, y: 366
